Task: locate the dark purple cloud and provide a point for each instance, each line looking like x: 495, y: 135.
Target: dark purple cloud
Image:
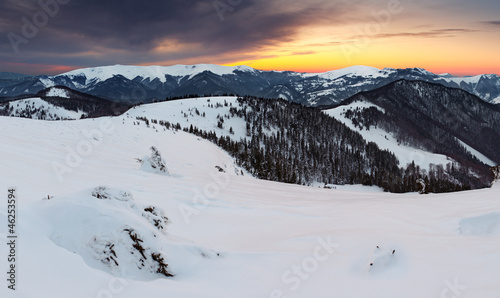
x: 80, y: 33
x: 437, y: 33
x: 96, y: 32
x: 492, y: 23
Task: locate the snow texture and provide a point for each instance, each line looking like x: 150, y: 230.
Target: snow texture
x: 483, y: 225
x: 228, y: 235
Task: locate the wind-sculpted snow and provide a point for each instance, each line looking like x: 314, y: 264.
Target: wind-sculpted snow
x: 111, y: 232
x: 244, y: 237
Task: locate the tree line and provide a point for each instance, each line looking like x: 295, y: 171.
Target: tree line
x: 291, y: 143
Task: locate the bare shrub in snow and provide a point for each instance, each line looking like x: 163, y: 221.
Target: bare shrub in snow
x: 156, y: 216
x: 146, y: 257
x: 496, y: 172
x: 105, y: 193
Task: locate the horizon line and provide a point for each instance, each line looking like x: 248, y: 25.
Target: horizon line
x: 70, y: 69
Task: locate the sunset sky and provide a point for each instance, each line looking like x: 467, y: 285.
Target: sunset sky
x: 460, y: 37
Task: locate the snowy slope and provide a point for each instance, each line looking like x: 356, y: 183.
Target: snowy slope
x: 228, y: 235
x: 478, y: 154
x: 37, y: 108
x: 385, y: 140
x: 184, y: 112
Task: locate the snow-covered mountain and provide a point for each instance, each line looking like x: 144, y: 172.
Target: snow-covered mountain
x: 152, y: 73
x: 338, y: 85
x: 60, y: 103
x: 136, y: 84
x: 37, y: 108
x: 93, y: 223
x: 427, y: 116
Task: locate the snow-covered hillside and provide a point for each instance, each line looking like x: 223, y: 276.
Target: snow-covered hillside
x: 406, y: 154
x: 205, y: 112
x: 37, y: 108
x: 201, y: 112
x: 93, y: 223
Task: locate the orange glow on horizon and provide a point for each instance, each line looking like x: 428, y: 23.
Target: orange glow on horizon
x: 302, y: 67
x: 459, y: 54
x: 379, y: 57
x: 37, y: 69
x: 437, y: 69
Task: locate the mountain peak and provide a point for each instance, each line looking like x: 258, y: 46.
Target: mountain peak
x: 153, y: 72
x: 357, y: 70
x: 128, y: 83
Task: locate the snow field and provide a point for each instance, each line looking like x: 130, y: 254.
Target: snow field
x: 228, y: 235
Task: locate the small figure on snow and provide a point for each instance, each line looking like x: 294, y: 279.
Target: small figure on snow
x: 422, y: 185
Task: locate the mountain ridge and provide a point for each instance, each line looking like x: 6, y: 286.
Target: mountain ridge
x: 430, y: 116
x: 136, y: 84
x: 60, y: 103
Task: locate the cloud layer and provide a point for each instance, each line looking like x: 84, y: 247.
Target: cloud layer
x: 55, y: 35
x: 127, y: 31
